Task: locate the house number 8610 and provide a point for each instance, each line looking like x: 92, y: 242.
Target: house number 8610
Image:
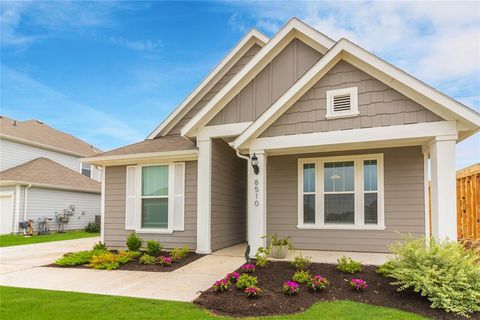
x: 256, y: 202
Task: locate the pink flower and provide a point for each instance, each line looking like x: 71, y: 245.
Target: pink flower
x: 221, y: 285
x: 233, y: 276
x: 252, y: 291
x: 165, y: 261
x: 359, y: 284
x: 249, y: 268
x: 290, y: 287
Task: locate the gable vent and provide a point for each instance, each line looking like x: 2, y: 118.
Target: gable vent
x: 341, y: 103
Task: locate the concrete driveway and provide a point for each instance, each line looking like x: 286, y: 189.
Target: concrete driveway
x: 21, y: 267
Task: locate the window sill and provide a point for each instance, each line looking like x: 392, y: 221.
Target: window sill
x: 344, y: 115
x: 155, y: 231
x: 339, y: 227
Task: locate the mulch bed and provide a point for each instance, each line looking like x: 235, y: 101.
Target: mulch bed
x: 273, y: 302
x: 135, y: 265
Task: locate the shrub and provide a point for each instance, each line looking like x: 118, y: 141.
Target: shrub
x: 153, y: 248
x: 348, y: 265
x: 99, y: 246
x: 261, y: 257
x: 127, y: 256
x: 276, y: 241
x: 75, y: 258
x: 302, y: 263
x: 245, y: 280
x: 290, y: 287
x: 147, y: 259
x: 446, y: 272
x: 134, y: 242
x: 221, y: 285
x: 301, y: 276
x: 317, y: 282
x: 248, y: 268
x: 92, y: 227
x: 359, y: 284
x: 232, y: 277
x: 179, y: 253
x: 253, y: 291
x: 105, y: 260
x: 164, y: 261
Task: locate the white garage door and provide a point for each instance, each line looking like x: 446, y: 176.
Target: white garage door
x: 6, y: 213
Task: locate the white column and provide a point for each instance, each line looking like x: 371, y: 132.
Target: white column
x: 257, y: 206
x: 102, y: 204
x: 204, y: 196
x: 443, y: 188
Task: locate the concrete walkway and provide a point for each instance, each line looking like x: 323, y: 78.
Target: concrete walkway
x: 21, y: 267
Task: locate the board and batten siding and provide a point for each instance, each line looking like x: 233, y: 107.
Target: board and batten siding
x: 115, y: 195
x: 403, y: 196
x: 216, y: 88
x: 378, y: 105
x: 229, y: 203
x: 273, y: 81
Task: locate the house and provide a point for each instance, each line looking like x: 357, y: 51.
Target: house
x: 296, y: 135
x: 41, y: 176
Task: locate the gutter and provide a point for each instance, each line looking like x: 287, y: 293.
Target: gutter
x: 25, y: 202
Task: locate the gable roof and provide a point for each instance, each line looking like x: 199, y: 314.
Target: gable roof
x: 251, y: 38
x: 293, y: 29
x: 399, y: 80
x: 47, y: 173
x: 39, y: 134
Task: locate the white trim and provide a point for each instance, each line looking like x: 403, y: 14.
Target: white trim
x: 425, y: 195
x: 414, y: 89
x: 293, y: 29
x: 181, y: 226
x: 204, y: 214
x: 355, y: 136
x: 223, y: 130
x: 42, y: 146
x: 17, y: 208
x: 25, y: 202
x: 102, y: 206
x: 44, y: 185
x: 251, y: 38
x: 91, y: 169
x: 183, y: 155
x: 359, y: 223
x: 131, y: 197
x: 352, y: 112
x: 11, y: 196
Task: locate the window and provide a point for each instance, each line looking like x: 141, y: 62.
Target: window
x: 155, y: 198
x: 342, y: 103
x: 86, y: 169
x: 341, y: 192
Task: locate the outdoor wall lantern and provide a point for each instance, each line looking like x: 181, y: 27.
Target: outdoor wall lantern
x: 254, y: 162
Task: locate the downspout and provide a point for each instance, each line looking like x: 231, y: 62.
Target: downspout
x: 25, y: 202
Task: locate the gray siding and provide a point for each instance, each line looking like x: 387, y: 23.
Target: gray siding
x: 378, y: 104
x: 228, y: 206
x: 115, y: 188
x: 404, y: 203
x: 284, y: 70
x: 217, y: 87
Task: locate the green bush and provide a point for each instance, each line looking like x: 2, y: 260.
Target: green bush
x: 446, y: 272
x: 179, y: 253
x: 99, y: 246
x: 92, y: 228
x: 134, y: 242
x: 301, y: 276
x: 348, y: 265
x: 147, y: 259
x: 302, y: 263
x: 153, y: 248
x: 111, y: 261
x: 75, y: 258
x: 261, y: 257
x: 245, y: 280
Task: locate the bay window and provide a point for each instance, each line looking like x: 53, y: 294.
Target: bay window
x: 341, y: 192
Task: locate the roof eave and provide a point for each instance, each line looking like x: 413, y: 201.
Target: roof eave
x: 178, y: 155
x: 48, y: 186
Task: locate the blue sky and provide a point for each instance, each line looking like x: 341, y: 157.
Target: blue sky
x: 110, y: 72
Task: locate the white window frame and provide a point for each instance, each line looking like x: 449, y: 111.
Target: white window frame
x: 353, y: 112
x: 359, y: 220
x: 171, y: 199
x: 91, y: 170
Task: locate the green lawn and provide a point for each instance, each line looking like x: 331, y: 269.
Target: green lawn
x: 9, y: 240
x: 18, y: 303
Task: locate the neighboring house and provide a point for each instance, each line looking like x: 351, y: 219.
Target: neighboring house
x: 297, y: 135
x: 41, y: 175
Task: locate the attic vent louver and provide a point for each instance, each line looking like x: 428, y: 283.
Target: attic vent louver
x: 342, y: 103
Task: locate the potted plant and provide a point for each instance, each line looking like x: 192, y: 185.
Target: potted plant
x: 279, y: 246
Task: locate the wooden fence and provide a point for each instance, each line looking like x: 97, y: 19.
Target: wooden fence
x: 468, y: 203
